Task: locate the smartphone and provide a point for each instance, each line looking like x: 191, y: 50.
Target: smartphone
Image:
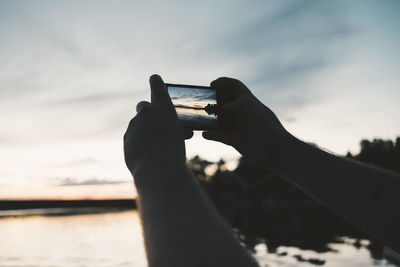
x: 196, y: 106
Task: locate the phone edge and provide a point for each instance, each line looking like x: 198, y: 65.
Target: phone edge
x: 189, y: 86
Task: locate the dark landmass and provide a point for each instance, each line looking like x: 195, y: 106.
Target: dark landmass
x: 188, y: 107
x: 266, y: 208
x: 46, y: 204
x: 211, y: 109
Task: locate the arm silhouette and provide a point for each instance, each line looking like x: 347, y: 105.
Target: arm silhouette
x: 180, y: 225
x: 365, y: 195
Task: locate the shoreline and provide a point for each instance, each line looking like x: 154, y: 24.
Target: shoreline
x: 24, y: 208
x: 6, y: 205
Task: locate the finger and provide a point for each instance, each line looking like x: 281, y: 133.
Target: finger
x: 131, y: 122
x: 130, y: 125
x: 230, y: 86
x: 228, y: 89
x: 142, y: 106
x: 217, y: 136
x: 187, y: 133
x: 159, y: 93
x: 243, y: 103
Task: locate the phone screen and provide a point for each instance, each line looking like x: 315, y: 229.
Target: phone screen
x: 196, y: 106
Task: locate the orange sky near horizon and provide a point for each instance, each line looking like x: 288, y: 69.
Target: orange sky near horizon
x: 120, y: 191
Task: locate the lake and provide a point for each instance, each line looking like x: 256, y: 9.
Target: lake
x: 114, y: 239
x: 196, y: 118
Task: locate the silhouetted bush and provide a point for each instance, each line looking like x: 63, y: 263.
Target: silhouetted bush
x: 381, y: 153
x: 264, y: 206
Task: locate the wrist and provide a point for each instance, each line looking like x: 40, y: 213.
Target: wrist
x: 158, y: 170
x: 289, y: 152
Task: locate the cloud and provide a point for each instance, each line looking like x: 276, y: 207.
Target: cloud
x: 79, y: 162
x: 291, y: 43
x: 81, y: 78
x: 276, y: 48
x: 72, y: 72
x: 95, y: 181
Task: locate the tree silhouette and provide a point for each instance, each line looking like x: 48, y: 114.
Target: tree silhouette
x: 263, y: 205
x: 211, y: 109
x: 381, y: 153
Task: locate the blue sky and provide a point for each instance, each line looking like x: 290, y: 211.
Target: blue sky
x: 71, y: 73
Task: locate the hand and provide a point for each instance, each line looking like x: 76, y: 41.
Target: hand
x: 154, y: 136
x: 249, y: 126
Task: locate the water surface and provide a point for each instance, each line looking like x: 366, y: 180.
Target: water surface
x: 114, y: 239
x: 196, y: 118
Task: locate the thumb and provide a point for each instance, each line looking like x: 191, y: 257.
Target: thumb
x: 217, y: 136
x: 159, y: 93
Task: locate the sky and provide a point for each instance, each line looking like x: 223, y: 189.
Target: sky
x: 192, y: 97
x: 71, y: 73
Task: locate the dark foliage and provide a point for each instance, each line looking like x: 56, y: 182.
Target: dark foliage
x: 264, y: 207
x: 381, y: 153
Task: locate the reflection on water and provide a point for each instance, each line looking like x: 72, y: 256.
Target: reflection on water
x: 341, y: 255
x: 114, y: 239
x: 196, y: 118
x: 109, y: 239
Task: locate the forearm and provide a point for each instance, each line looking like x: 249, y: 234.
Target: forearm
x: 180, y: 226
x: 365, y: 195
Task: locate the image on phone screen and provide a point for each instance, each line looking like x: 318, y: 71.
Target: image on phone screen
x: 196, y: 106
